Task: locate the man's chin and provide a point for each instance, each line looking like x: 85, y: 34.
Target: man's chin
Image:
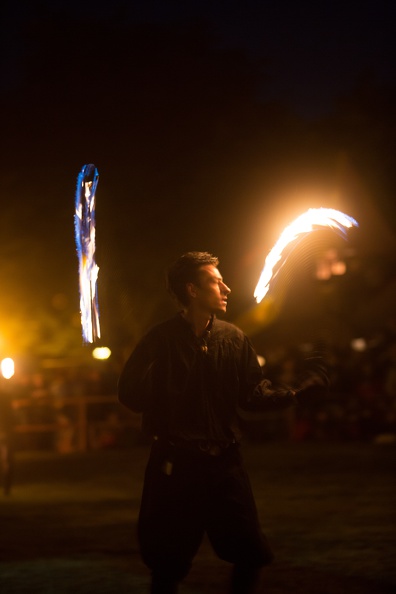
x: 222, y: 308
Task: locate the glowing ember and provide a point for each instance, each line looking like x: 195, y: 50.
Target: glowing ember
x: 84, y: 221
x: 312, y: 220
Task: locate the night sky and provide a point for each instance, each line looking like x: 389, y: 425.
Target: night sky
x: 212, y: 124
x: 311, y: 52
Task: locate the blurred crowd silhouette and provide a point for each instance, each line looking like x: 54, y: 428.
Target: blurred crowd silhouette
x: 361, y: 399
x: 43, y: 408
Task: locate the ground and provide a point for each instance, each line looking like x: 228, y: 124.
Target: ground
x: 328, y: 510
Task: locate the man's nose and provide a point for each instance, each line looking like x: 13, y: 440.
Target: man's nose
x: 225, y: 289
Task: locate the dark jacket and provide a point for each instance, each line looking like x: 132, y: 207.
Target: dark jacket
x: 191, y: 388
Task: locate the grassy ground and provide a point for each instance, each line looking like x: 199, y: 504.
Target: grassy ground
x: 328, y: 510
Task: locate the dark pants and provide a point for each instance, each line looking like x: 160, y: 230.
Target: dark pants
x: 187, y: 493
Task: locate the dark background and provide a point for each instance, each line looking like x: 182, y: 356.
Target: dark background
x: 212, y: 125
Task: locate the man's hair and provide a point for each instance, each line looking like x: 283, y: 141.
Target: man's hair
x: 185, y: 270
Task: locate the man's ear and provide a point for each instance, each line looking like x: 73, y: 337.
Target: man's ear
x: 191, y: 290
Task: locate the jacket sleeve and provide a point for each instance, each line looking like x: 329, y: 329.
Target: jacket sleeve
x: 258, y: 393
x: 136, y: 379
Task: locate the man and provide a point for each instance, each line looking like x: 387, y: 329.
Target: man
x: 188, y: 376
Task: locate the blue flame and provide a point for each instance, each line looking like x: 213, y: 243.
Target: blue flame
x: 84, y: 224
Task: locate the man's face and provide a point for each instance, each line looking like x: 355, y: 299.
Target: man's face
x: 210, y: 292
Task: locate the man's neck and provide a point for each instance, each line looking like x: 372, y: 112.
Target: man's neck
x: 199, y: 321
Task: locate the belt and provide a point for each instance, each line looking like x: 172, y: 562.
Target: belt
x: 212, y: 448
x: 208, y: 447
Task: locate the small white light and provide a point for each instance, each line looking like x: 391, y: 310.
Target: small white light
x: 7, y: 368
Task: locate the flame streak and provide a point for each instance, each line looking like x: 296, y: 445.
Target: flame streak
x: 84, y: 224
x: 311, y: 220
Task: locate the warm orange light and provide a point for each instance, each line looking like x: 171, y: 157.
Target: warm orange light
x: 338, y: 268
x: 7, y: 368
x: 330, y: 265
x: 311, y: 219
x: 101, y: 353
x: 359, y: 345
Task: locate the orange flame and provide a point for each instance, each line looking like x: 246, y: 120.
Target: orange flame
x: 311, y: 220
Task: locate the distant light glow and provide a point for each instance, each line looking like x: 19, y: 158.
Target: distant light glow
x: 359, y: 345
x: 330, y: 264
x: 7, y: 367
x: 338, y: 268
x: 101, y: 353
x: 313, y: 219
x: 261, y: 360
x: 306, y: 347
